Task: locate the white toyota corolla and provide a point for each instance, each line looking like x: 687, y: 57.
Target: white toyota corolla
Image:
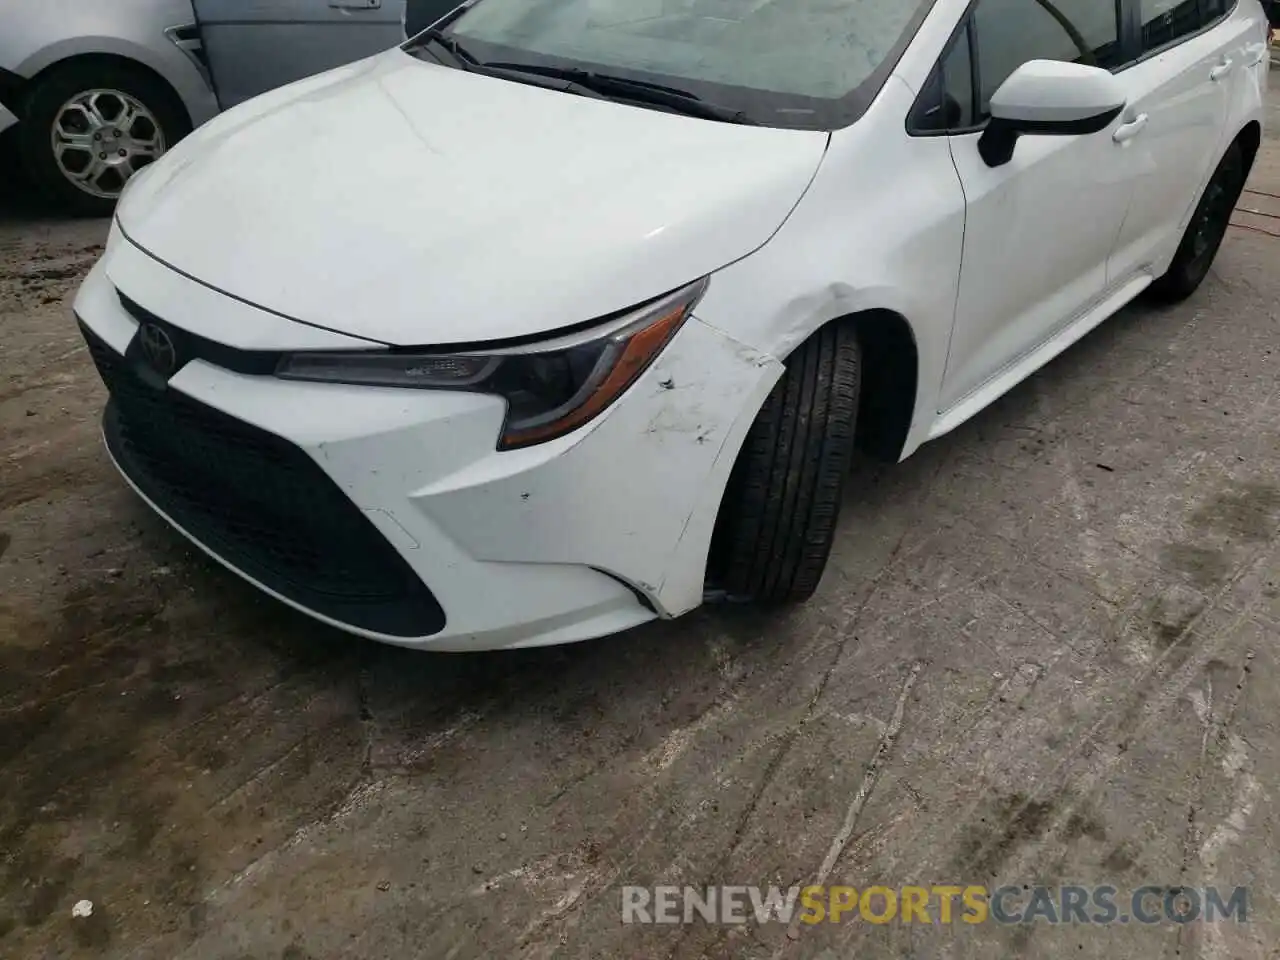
x: 569, y: 312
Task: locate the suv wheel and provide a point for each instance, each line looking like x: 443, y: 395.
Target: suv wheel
x: 89, y: 126
x: 1206, y: 230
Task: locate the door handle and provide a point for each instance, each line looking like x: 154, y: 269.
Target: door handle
x: 1256, y: 52
x: 355, y: 4
x: 1127, y: 131
x: 1220, y: 71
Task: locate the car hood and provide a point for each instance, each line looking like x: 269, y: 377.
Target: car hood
x: 410, y: 203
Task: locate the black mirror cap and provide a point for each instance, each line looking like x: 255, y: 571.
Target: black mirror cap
x: 1001, y: 135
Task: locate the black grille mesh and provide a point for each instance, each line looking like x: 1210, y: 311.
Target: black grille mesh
x: 260, y: 503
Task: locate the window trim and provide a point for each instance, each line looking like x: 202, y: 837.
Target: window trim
x: 964, y: 27
x: 1135, y: 6
x: 1128, y: 39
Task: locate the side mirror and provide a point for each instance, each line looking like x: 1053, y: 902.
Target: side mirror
x: 1051, y: 98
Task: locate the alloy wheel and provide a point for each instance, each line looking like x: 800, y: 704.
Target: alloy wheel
x: 101, y: 138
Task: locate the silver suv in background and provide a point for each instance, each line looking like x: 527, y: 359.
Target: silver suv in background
x: 98, y: 89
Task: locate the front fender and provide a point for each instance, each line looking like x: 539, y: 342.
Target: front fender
x: 851, y: 247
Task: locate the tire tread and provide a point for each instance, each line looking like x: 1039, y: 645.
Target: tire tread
x: 1179, y: 281
x: 783, y: 501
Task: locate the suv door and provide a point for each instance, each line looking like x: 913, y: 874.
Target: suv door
x: 253, y: 46
x: 420, y: 14
x: 1180, y: 92
x: 1039, y: 229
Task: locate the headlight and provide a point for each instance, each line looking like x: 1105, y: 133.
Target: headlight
x: 551, y: 388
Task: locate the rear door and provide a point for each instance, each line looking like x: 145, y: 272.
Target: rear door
x: 256, y: 45
x: 420, y: 14
x: 1191, y: 53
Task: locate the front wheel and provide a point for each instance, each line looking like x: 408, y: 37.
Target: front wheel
x: 1206, y: 230
x: 89, y: 126
x: 778, y: 518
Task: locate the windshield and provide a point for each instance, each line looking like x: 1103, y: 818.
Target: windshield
x: 787, y: 63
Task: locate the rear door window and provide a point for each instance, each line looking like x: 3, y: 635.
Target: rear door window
x: 1167, y: 21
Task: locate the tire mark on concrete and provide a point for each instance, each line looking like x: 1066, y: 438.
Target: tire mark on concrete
x: 771, y: 770
x: 258, y: 775
x: 1140, y: 718
x: 847, y: 631
x: 885, y: 749
x: 356, y: 798
x: 1086, y: 781
x: 248, y: 700
x: 594, y: 884
x: 1207, y: 941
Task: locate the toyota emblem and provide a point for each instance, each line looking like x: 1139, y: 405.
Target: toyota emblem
x: 158, y: 349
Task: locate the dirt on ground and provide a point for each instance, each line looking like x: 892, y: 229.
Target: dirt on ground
x: 1046, y: 652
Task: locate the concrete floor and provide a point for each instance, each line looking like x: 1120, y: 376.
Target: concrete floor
x: 1078, y: 591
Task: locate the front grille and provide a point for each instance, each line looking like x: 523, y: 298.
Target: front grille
x: 260, y: 503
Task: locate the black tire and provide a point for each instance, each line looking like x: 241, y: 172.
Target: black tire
x: 58, y: 87
x: 1205, y: 232
x: 778, y: 517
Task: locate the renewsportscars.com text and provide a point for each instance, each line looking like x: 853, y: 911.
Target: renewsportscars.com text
x: 942, y: 903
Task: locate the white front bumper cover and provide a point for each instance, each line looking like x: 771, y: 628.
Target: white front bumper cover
x: 590, y: 534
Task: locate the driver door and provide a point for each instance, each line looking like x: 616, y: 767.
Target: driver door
x: 1039, y: 229
x: 254, y: 46
x: 420, y: 14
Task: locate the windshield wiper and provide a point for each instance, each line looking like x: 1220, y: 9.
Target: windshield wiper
x: 640, y: 91
x: 465, y: 60
x: 460, y: 54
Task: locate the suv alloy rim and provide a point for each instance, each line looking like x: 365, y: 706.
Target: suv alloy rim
x: 101, y: 138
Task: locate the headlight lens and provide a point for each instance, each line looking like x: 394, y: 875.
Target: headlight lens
x: 551, y: 388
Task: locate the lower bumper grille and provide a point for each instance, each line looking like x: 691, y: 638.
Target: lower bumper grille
x: 261, y: 504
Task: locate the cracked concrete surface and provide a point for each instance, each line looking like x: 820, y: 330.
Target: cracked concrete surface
x: 1046, y: 651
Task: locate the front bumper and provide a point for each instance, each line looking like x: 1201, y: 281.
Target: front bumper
x: 389, y: 512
